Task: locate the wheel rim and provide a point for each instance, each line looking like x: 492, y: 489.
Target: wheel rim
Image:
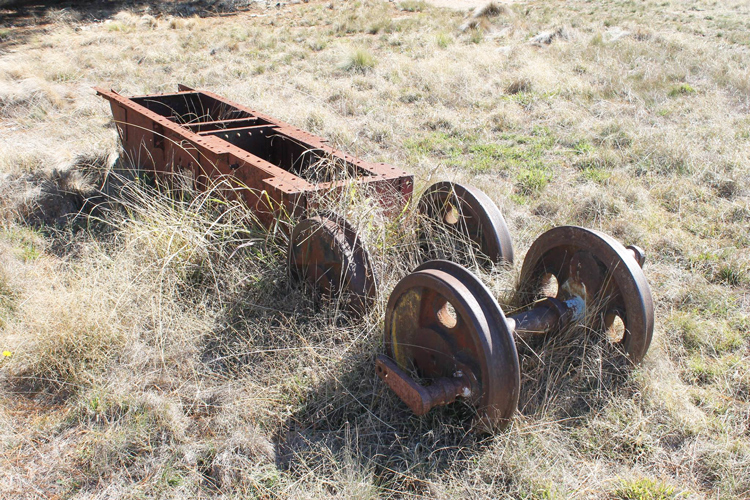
x: 422, y: 335
x: 326, y: 254
x: 463, y: 213
x: 614, y: 281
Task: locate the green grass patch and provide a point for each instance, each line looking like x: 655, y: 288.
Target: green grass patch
x: 596, y: 174
x: 728, y: 372
x: 531, y: 181
x: 26, y: 242
x: 682, y: 89
x: 732, y: 273
x: 476, y: 36
x: 439, y: 144
x: 644, y: 489
x: 509, y: 152
x: 700, y: 336
x: 443, y: 40
x: 582, y: 146
x: 361, y: 61
x: 724, y: 267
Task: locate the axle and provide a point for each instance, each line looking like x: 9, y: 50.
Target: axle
x: 549, y: 315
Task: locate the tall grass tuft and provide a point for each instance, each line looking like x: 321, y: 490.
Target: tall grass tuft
x: 360, y: 61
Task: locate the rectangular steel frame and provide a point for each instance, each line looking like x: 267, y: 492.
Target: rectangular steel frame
x: 213, y: 139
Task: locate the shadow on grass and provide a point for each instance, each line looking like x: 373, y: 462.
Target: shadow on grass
x: 21, y: 13
x: 346, y: 420
x: 66, y: 204
x: 353, y: 422
x: 22, y: 19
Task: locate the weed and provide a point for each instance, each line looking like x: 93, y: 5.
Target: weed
x: 443, y: 40
x: 644, y: 489
x: 476, y: 35
x: 531, y: 181
x: 360, y: 61
x: 682, y: 89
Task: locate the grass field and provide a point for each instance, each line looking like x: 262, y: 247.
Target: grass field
x: 153, y: 346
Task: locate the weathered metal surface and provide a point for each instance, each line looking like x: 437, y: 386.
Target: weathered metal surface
x: 546, y: 316
x: 276, y: 167
x: 638, y: 253
x: 326, y: 253
x: 465, y: 214
x: 598, y: 269
x: 419, y: 398
x: 443, y: 323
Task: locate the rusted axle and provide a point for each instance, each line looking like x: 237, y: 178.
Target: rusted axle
x: 472, y: 355
x: 549, y: 315
x: 552, y: 314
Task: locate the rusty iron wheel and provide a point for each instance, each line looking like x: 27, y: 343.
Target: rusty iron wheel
x: 326, y: 253
x: 584, y: 261
x: 441, y: 320
x: 465, y: 214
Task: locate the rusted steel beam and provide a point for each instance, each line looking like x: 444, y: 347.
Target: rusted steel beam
x: 276, y: 167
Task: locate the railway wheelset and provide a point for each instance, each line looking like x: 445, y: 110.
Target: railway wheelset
x: 446, y: 338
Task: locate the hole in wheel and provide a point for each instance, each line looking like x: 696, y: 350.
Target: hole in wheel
x: 447, y: 315
x: 615, y: 328
x: 451, y: 215
x: 549, y: 286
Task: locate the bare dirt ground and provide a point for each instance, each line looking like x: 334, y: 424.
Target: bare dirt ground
x: 153, y: 346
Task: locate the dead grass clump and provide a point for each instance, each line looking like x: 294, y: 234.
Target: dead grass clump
x: 621, y: 429
x: 596, y: 208
x: 127, y: 432
x: 547, y: 37
x: 62, y: 16
x: 9, y: 296
x: 519, y: 85
x: 55, y: 197
x: 123, y: 22
x: 492, y: 9
x: 236, y: 463
x: 413, y: 5
x: 52, y: 199
x: 73, y: 343
x: 725, y: 187
x: 28, y: 98
x: 147, y: 21
x: 482, y: 17
x: 180, y: 23
x: 365, y: 17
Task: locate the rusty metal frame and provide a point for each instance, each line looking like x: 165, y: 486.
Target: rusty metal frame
x: 160, y: 143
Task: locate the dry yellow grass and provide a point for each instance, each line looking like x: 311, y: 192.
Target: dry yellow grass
x: 158, y: 350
